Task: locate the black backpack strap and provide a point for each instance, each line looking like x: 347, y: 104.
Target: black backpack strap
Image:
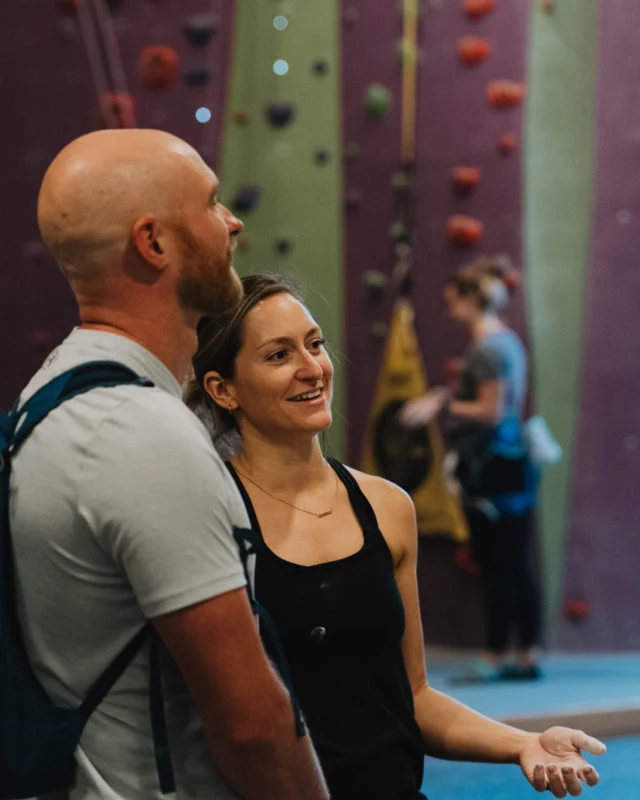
x: 74, y: 381
x: 248, y: 540
x: 161, y: 748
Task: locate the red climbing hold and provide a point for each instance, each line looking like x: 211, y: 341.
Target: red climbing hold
x: 506, y: 94
x: 158, y: 66
x: 464, y: 231
x: 476, y: 9
x: 576, y: 609
x: 116, y: 110
x: 473, y: 51
x: 508, y: 143
x: 466, y: 178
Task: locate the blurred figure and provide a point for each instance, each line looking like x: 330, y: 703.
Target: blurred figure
x: 484, y: 429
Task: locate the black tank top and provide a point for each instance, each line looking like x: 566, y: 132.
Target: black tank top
x: 341, y: 625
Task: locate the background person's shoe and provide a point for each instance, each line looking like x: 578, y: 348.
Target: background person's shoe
x: 480, y: 672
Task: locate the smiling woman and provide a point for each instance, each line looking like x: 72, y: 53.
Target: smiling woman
x: 335, y: 567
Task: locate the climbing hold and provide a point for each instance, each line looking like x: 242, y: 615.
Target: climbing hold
x: 241, y: 117
x: 407, y: 53
x: 464, y: 231
x: 476, y: 9
x: 35, y: 249
x: 548, y: 5
x: 399, y: 232
x: 350, y: 16
x: 200, y: 28
x: 377, y: 101
x: 41, y: 339
x: 283, y: 245
x: 508, y: 143
x: 352, y: 200
x: 322, y: 157
x: 320, y: 67
x: 351, y: 151
x: 473, y: 51
x: 70, y: 6
x: 466, y: 178
x: 576, y: 610
x: 116, y: 110
x: 246, y: 198
x: 198, y: 77
x: 375, y: 282
x: 380, y: 329
x: 401, y: 182
x: 506, y: 94
x: 158, y: 66
x: 279, y: 113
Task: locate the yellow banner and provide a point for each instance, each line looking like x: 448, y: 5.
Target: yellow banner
x: 414, y: 459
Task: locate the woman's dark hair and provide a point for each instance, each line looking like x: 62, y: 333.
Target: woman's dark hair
x: 491, y: 280
x: 220, y: 339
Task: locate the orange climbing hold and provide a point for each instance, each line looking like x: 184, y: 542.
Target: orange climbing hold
x: 506, y: 94
x: 464, y: 231
x: 473, y: 51
x: 476, y: 9
x: 466, y: 178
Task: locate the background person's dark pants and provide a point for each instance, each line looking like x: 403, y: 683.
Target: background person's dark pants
x: 502, y: 550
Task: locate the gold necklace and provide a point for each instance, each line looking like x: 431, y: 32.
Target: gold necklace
x: 318, y: 514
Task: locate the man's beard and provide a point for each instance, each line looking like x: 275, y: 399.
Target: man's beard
x: 208, y: 283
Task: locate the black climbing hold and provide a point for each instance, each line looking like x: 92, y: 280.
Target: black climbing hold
x: 320, y: 67
x: 283, y: 245
x: 200, y: 28
x: 197, y: 77
x: 351, y: 151
x: 246, y: 198
x: 322, y: 157
x: 280, y: 113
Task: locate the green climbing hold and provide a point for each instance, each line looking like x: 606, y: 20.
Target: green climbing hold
x: 377, y: 101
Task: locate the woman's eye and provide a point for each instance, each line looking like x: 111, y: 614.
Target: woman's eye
x: 316, y: 344
x: 279, y: 356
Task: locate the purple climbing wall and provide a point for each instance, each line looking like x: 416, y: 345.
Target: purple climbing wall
x: 603, y: 547
x: 457, y: 126
x: 48, y: 93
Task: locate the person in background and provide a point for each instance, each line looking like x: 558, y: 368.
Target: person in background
x: 335, y: 567
x: 483, y: 424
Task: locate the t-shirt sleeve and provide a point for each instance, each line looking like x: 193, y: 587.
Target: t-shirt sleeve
x: 159, y: 501
x: 487, y: 363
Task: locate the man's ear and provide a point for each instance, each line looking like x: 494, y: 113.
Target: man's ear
x: 147, y: 237
x: 219, y: 391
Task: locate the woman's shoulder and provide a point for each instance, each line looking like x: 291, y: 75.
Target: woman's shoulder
x: 387, y: 499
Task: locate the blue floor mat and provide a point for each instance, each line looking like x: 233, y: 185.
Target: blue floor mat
x: 619, y: 773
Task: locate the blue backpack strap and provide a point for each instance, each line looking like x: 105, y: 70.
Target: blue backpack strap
x: 73, y: 382
x: 248, y: 540
x: 162, y: 750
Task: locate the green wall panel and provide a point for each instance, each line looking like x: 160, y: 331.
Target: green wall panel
x: 558, y: 200
x: 300, y: 199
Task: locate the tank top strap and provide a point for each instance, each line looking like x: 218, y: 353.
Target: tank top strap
x: 361, y: 506
x: 253, y: 518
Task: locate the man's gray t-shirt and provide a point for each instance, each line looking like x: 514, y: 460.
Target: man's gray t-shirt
x: 121, y: 511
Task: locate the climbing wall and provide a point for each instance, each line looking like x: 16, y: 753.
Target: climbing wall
x: 467, y: 181
x: 559, y: 160
x: 163, y: 65
x: 601, y: 589
x: 281, y: 164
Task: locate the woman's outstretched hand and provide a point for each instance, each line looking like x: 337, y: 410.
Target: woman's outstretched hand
x: 553, y: 761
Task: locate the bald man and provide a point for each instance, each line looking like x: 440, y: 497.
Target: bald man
x: 122, y: 511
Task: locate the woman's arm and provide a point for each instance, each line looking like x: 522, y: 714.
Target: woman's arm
x: 488, y: 408
x: 451, y: 730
